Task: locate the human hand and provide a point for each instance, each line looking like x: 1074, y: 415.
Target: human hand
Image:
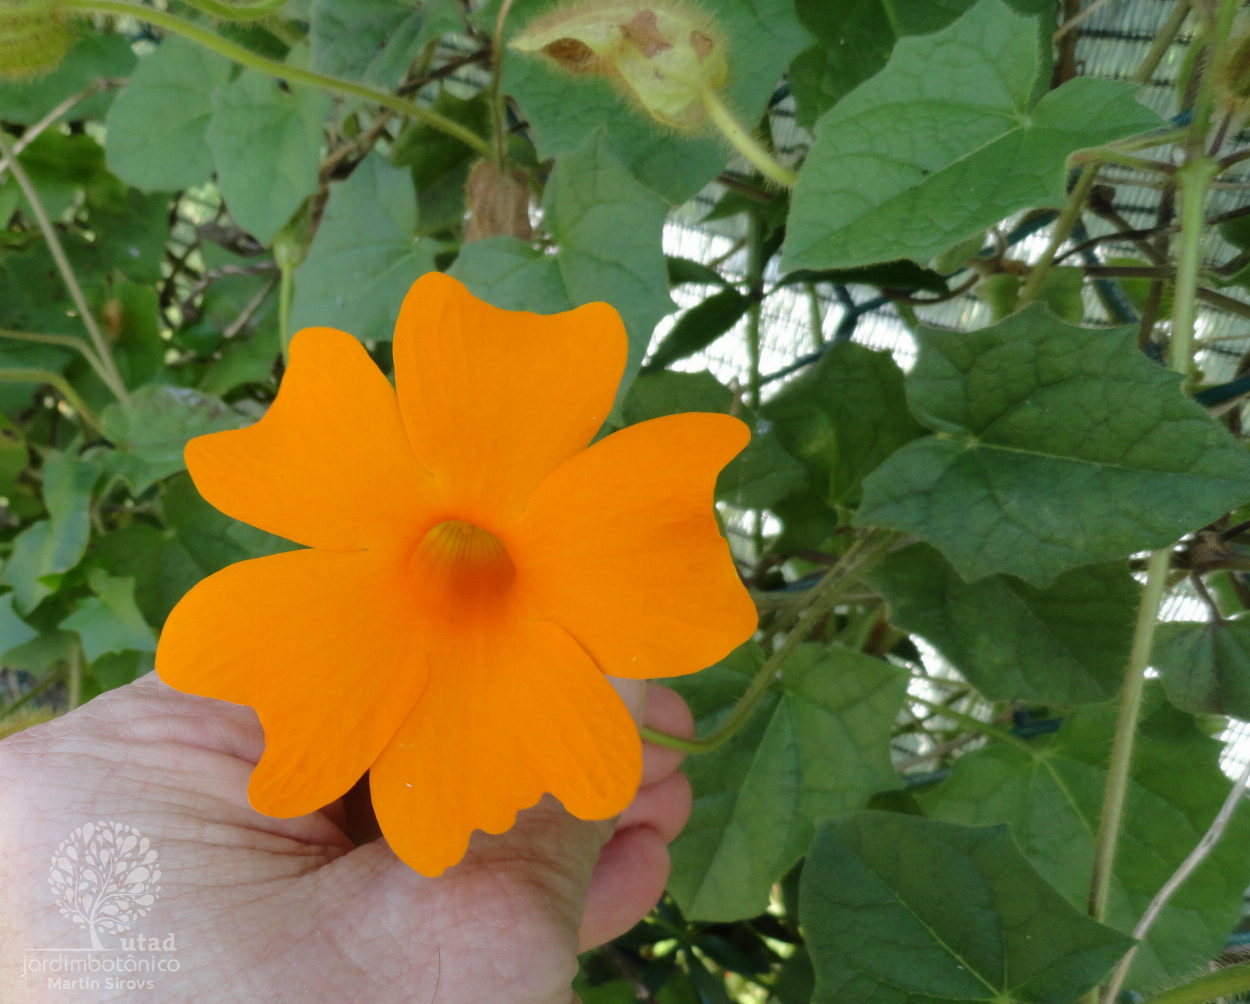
x: 270, y: 910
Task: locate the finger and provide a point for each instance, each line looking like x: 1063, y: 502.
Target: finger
x: 663, y: 806
x: 627, y: 882
x: 634, y: 693
x: 666, y: 712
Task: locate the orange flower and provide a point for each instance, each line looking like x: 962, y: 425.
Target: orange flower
x: 472, y: 571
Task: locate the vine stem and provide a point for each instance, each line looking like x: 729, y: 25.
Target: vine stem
x: 21, y: 375
x: 499, y: 111
x: 1063, y: 227
x: 237, y: 12
x: 1193, y: 178
x: 108, y: 368
x: 1208, y: 987
x: 211, y: 40
x: 861, y: 556
x: 1199, y: 854
x: 1126, y: 733
x: 744, y: 142
x: 985, y: 728
x: 1163, y: 41
x: 33, y: 132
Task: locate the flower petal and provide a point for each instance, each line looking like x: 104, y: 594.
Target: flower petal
x: 620, y: 547
x: 508, y: 716
x: 329, y: 464
x: 495, y: 400
x: 322, y: 645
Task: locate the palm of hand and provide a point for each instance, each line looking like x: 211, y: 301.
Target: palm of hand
x: 268, y: 909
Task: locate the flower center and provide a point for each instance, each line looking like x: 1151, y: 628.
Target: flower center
x: 464, y: 567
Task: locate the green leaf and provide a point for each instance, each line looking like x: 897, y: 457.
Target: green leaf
x: 699, y: 327
x: 1052, y: 800
x: 138, y: 347
x: 843, y: 417
x: 616, y: 992
x: 374, y: 41
x: 116, y: 669
x: 816, y: 749
x: 56, y: 544
x: 13, y: 630
x: 151, y: 433
x: 156, y: 136
x: 156, y: 560
x: 33, y: 298
x: 60, y: 165
x: 243, y: 360
x: 96, y: 55
x: 945, y: 141
x: 761, y: 475
x: 564, y: 110
x: 903, y: 910
x: 109, y: 621
x: 266, y: 144
x: 213, y: 539
x: 683, y: 270
x: 856, y: 38
x: 365, y: 256
x: 1205, y: 668
x: 440, y: 163
x: 807, y: 522
x: 1066, y: 644
x: 14, y: 455
x: 655, y: 395
x: 131, y: 236
x: 608, y: 228
x: 796, y: 980
x: 1057, y: 447
x: 888, y: 275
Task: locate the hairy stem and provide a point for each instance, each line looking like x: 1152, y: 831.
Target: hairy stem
x: 1125, y: 733
x: 1163, y: 41
x: 211, y: 40
x: 968, y: 721
x: 1208, y: 987
x: 237, y: 12
x: 1063, y: 227
x: 33, y: 132
x: 108, y: 372
x: 744, y: 142
x: 19, y: 375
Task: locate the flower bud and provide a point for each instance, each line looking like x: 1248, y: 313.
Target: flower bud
x: 667, y: 56
x: 34, y: 36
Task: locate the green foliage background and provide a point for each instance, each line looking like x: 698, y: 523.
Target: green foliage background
x: 869, y: 825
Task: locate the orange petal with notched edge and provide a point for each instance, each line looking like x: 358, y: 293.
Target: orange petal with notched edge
x: 322, y: 645
x: 495, y: 400
x: 509, y: 714
x: 329, y: 465
x: 620, y: 547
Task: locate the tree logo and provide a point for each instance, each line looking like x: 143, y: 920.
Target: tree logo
x: 105, y: 878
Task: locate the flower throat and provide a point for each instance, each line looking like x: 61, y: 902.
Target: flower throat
x: 464, y: 567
